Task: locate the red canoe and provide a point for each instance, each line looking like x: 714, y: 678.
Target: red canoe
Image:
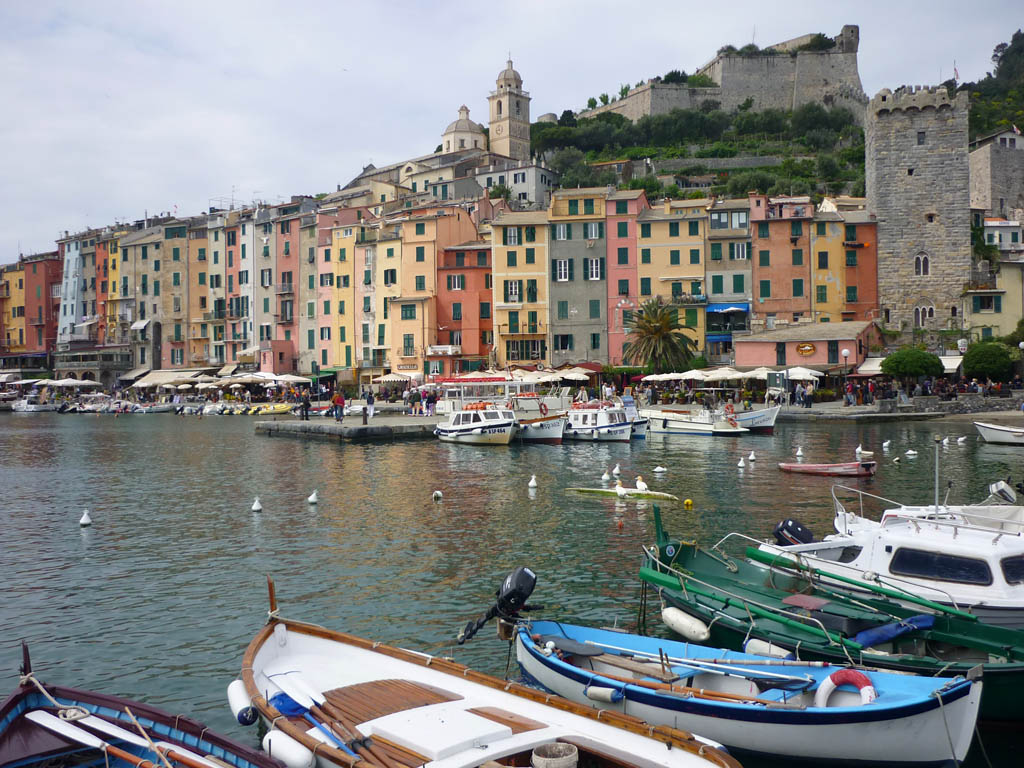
x: 846, y: 469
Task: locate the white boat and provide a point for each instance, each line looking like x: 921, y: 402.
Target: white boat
x: 999, y: 433
x: 486, y: 424
x: 349, y: 699
x: 968, y: 557
x: 598, y: 420
x: 542, y: 429
x: 637, y: 423
x: 156, y: 408
x: 757, y: 420
x: 32, y: 404
x: 699, y: 421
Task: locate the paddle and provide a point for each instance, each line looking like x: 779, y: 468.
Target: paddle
x: 73, y: 733
x: 295, y: 703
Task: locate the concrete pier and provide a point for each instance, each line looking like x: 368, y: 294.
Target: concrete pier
x: 380, y: 427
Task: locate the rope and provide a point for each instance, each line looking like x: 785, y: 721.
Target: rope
x: 984, y: 754
x: 68, y: 714
x: 152, y: 746
x: 949, y: 736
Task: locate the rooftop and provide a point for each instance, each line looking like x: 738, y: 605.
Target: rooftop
x: 521, y: 217
x: 811, y: 332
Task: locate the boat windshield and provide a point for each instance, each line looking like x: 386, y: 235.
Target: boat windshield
x: 491, y: 415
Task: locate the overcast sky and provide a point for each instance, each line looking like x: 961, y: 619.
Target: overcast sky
x: 112, y: 109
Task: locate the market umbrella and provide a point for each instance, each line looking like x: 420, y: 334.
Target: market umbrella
x: 391, y: 378
x: 723, y: 374
x: 236, y: 385
x: 571, y: 376
x: 761, y: 374
x: 293, y: 379
x: 802, y: 374
x: 694, y: 374
x: 184, y: 386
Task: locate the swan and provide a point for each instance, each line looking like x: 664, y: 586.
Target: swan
x: 533, y: 482
x: 640, y: 484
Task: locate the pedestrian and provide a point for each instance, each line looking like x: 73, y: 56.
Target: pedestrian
x: 798, y: 395
x: 339, y: 405
x: 369, y: 404
x: 304, y: 407
x: 415, y: 402
x: 431, y: 402
x: 581, y: 395
x: 809, y: 394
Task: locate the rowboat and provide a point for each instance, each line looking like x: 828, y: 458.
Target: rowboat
x: 541, y: 429
x: 756, y: 704
x: 844, y: 469
x: 52, y: 726
x: 630, y: 492
x: 352, y: 701
x: 998, y: 433
x: 797, y: 611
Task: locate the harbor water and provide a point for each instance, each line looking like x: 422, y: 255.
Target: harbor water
x: 159, y: 597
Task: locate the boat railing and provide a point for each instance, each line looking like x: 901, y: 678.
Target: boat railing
x: 931, y: 519
x: 860, y: 493
x: 802, y: 618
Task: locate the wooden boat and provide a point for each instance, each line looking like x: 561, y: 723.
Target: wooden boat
x: 797, y: 611
x: 599, y: 421
x: 699, y: 421
x: 756, y: 704
x: 352, y: 701
x: 51, y: 726
x: 541, y: 429
x: 844, y: 469
x: 632, y: 493
x: 480, y: 424
x: 998, y: 433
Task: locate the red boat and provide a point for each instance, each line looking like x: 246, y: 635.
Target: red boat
x: 846, y: 469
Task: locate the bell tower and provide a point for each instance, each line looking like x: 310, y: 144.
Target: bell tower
x: 510, y: 116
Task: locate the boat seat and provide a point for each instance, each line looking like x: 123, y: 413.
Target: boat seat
x: 645, y: 668
x: 377, y: 698
x: 518, y: 723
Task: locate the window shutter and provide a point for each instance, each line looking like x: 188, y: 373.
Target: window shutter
x: 998, y: 303
x: 568, y: 231
x: 732, y: 251
x: 519, y: 285
x: 586, y: 269
x: 553, y: 231
x: 506, y: 291
x: 571, y: 261
x: 519, y: 236
x: 449, y: 281
x: 504, y: 235
x: 554, y: 269
x: 602, y: 267
x: 977, y: 303
x: 570, y: 341
x: 600, y: 229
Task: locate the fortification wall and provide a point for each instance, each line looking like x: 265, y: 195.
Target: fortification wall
x: 917, y: 176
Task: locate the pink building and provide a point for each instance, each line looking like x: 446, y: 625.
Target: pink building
x: 621, y: 228
x: 819, y: 346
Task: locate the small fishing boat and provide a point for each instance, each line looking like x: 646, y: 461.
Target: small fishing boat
x: 843, y: 469
x: 155, y: 408
x: 479, y: 424
x: 50, y: 726
x: 759, y: 705
x: 547, y: 429
x: 349, y: 701
x: 632, y: 493
x: 33, y: 403
x: 998, y: 433
x: 758, y: 419
x: 598, y: 420
x: 699, y: 421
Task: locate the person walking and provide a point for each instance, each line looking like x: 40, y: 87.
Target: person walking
x: 809, y: 395
x: 369, y: 404
x: 339, y: 405
x: 304, y: 407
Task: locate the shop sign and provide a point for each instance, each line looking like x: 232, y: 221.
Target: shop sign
x: 805, y: 348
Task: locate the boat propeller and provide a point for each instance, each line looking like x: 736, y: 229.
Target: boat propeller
x: 511, y: 600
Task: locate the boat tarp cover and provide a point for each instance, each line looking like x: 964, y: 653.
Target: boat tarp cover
x: 887, y: 632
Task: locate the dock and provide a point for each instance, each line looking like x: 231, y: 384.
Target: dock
x: 382, y: 427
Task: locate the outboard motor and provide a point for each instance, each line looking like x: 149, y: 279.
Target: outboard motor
x: 511, y: 597
x: 1001, y: 489
x: 789, y: 532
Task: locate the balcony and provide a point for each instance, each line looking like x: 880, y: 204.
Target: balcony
x: 284, y: 288
x: 740, y: 327
x: 445, y: 349
x: 981, y: 280
x: 5, y: 292
x: 37, y: 321
x: 217, y: 314
x: 284, y: 317
x: 522, y: 329
x: 687, y: 299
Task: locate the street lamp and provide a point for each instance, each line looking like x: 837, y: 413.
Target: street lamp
x: 846, y: 371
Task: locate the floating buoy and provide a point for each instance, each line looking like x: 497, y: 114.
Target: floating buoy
x: 858, y: 449
x: 962, y: 439
x: 619, y: 525
x: 741, y: 465
x: 437, y: 496
x: 616, y: 470
x: 533, y: 482
x: 751, y: 457
x: 606, y: 477
x: 313, y: 498
x: 886, y: 444
x: 688, y: 503
x: 896, y: 460
x: 911, y: 452
x: 682, y: 623
x: 256, y: 506
x: 85, y: 520
x: 799, y: 451
x: 945, y: 441
x: 640, y: 484
x: 660, y: 468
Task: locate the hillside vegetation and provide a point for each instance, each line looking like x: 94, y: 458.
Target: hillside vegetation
x: 997, y: 100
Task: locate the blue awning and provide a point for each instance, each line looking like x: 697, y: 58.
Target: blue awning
x: 736, y: 306
x: 718, y: 337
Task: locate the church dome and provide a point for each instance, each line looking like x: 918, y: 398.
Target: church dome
x: 509, y: 78
x: 464, y: 124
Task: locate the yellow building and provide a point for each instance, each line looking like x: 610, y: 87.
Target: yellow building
x: 199, y: 336
x: 12, y: 308
x: 828, y: 267
x: 342, y: 344
x: 672, y: 243
x: 519, y: 244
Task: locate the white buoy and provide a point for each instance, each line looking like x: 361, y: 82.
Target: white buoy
x: 619, y: 489
x: 799, y: 451
x: 896, y: 460
x: 85, y: 520
x: 962, y: 440
x: 640, y: 484
x: 886, y: 444
x: 741, y: 465
x: 751, y: 457
x: 533, y: 482
x: 256, y: 506
x: 660, y: 468
x: 606, y: 477
x: 616, y: 470
x: 945, y: 441
x: 313, y: 498
x: 437, y: 495
x: 911, y: 452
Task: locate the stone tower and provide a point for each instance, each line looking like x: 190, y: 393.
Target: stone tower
x: 918, y: 187
x: 510, y: 116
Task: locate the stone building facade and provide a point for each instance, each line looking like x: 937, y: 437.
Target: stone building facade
x: 997, y: 175
x: 917, y: 177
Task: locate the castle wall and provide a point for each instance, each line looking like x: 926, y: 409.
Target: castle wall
x: 920, y: 213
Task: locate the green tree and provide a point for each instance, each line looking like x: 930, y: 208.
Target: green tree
x: 988, y: 360
x: 567, y: 119
x: 912, y: 362
x: 828, y: 168
x: 623, y: 91
x: 604, y: 98
x: 674, y: 76
x: 591, y: 103
x: 657, y: 340
x: 500, y: 190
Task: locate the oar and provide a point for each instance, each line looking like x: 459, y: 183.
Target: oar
x: 81, y: 736
x: 699, y: 693
x: 305, y: 706
x: 166, y: 748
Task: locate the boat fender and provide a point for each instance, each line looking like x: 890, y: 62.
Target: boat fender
x: 852, y: 677
x: 764, y: 648
x: 606, y: 695
x: 543, y: 409
x: 286, y: 749
x: 241, y: 706
x: 684, y: 624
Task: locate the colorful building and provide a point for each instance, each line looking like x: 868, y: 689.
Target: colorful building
x: 780, y: 228
x: 622, y: 264
x: 520, y: 268
x: 728, y: 278
x: 465, y: 318
x: 819, y: 346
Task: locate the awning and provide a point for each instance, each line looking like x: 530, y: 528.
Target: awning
x: 872, y: 366
x: 227, y: 370
x: 138, y: 325
x: 737, y: 306
x: 250, y: 350
x: 134, y: 374
x: 718, y: 337
x: 5, y: 377
x: 951, y: 363
x: 86, y: 324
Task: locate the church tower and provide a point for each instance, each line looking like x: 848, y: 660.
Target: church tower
x: 510, y: 116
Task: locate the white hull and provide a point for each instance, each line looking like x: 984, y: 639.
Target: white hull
x: 545, y: 429
x: 157, y: 408
x: 996, y: 433
x: 23, y: 406
x: 910, y: 740
x: 682, y: 423
x: 638, y: 428
x: 763, y: 419
x: 617, y: 433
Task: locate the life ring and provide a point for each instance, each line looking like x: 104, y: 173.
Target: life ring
x: 732, y: 422
x: 729, y: 408
x: 543, y: 409
x: 849, y: 677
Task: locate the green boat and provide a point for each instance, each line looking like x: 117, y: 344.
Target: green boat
x: 779, y: 602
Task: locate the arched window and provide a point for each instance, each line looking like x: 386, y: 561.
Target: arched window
x: 499, y: 106
x: 923, y: 313
x: 921, y: 265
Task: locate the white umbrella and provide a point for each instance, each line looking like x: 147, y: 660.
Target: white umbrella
x: 571, y: 376
x: 761, y: 374
x: 802, y: 374
x: 184, y: 386
x: 391, y: 378
x: 723, y: 374
x: 694, y: 374
x: 236, y: 385
x: 293, y: 379
x: 206, y: 386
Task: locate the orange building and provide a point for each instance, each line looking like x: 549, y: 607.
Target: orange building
x: 465, y: 315
x: 781, y: 246
x: 860, y: 242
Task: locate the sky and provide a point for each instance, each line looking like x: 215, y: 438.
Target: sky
x: 115, y: 109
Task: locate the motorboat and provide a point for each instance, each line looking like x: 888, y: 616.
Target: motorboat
x: 969, y: 557
x: 547, y: 429
x: 155, y: 408
x: 843, y: 469
x: 52, y: 726
x: 1000, y: 433
x: 33, y: 403
x: 638, y: 424
x: 699, y: 421
x: 344, y: 699
x: 598, y: 420
x: 480, y: 424
x: 757, y: 419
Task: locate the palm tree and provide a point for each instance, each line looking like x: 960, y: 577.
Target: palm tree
x: 657, y: 340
